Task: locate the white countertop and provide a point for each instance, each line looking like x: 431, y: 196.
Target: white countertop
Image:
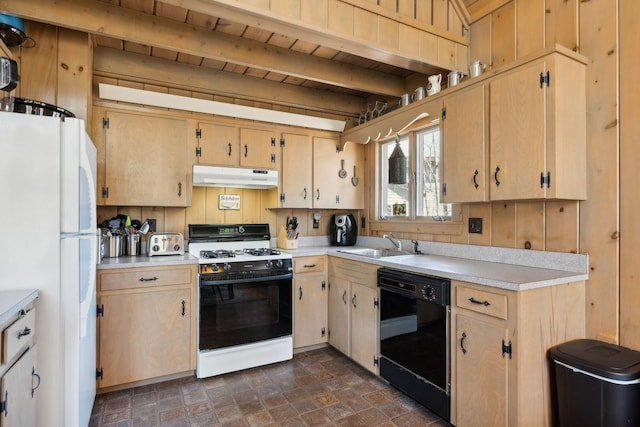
x: 512, y: 269
x: 146, y: 261
x: 14, y: 300
x: 509, y: 271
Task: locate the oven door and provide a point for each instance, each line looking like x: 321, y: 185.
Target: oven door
x: 414, y: 335
x: 244, y: 311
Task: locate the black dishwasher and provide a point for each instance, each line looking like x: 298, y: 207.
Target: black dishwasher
x: 414, y: 337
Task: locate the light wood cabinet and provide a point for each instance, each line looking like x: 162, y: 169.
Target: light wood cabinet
x: 538, y: 131
x: 19, y: 379
x: 499, y: 351
x: 464, y: 153
x: 258, y: 148
x: 310, y: 301
x: 296, y: 189
x: 353, y: 311
x: 145, y: 160
x: 146, y: 323
x: 18, y: 387
x: 330, y: 190
x: 218, y: 144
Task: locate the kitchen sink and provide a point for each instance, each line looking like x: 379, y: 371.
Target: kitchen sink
x: 374, y: 252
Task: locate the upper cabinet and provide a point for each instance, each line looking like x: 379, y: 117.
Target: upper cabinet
x: 297, y: 171
x: 258, y: 148
x: 336, y: 184
x: 142, y: 160
x: 218, y: 144
x: 538, y: 131
x: 464, y: 152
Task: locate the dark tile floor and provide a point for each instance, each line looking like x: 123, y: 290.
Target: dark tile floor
x: 316, y: 388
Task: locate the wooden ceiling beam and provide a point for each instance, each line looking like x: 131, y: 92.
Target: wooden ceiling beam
x: 115, y: 63
x: 101, y: 18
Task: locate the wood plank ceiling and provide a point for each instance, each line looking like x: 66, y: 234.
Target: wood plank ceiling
x: 219, y: 25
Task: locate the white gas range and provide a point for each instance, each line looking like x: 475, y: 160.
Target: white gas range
x: 245, y: 298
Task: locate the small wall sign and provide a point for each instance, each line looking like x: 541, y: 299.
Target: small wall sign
x: 229, y: 202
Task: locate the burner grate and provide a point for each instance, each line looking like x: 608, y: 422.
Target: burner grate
x: 261, y: 251
x: 219, y: 253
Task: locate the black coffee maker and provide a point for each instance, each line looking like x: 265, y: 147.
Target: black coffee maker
x: 343, y: 230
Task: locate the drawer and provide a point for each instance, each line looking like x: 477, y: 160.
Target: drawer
x: 354, y: 271
x: 485, y: 302
x: 135, y: 278
x: 18, y: 336
x: 312, y: 264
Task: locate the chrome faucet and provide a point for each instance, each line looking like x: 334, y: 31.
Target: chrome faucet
x: 396, y: 242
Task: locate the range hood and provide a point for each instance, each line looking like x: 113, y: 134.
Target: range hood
x: 218, y: 176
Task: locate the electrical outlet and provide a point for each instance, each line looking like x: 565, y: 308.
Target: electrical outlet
x: 152, y: 225
x: 475, y: 225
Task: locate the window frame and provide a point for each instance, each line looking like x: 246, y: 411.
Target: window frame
x: 411, y: 216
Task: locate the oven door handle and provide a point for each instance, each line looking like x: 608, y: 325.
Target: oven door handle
x: 204, y: 282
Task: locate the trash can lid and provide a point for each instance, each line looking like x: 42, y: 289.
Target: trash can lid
x: 603, y: 359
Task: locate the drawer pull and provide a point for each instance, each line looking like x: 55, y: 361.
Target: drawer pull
x: 475, y: 301
x: 183, y: 307
x: 353, y: 301
x: 33, y: 374
x: 300, y: 297
x: 464, y: 350
x: 144, y: 279
x: 24, y: 332
x: 344, y: 297
x: 309, y: 265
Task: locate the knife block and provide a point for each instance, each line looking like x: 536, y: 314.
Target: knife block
x: 283, y: 242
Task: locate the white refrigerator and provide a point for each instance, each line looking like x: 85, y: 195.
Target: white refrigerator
x: 48, y: 232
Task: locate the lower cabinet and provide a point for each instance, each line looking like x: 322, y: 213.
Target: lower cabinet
x: 309, y: 301
x: 146, y: 323
x: 353, y: 311
x: 500, y: 369
x: 19, y: 379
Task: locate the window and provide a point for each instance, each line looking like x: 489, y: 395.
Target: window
x: 420, y: 197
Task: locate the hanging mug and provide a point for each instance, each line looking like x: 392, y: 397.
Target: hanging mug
x: 433, y: 86
x: 418, y: 94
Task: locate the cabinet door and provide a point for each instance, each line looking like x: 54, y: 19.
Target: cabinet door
x: 326, y: 166
x: 517, y: 147
x: 18, y: 388
x: 310, y: 309
x: 146, y: 160
x: 339, y: 327
x: 351, y: 196
x: 218, y: 144
x: 258, y: 149
x: 481, y: 371
x: 144, y: 335
x: 463, y: 146
x: 297, y: 162
x: 364, y: 326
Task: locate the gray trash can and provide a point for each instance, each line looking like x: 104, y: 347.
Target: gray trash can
x: 597, y: 384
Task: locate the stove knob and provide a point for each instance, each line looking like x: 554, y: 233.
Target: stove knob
x: 428, y: 293
x: 155, y: 248
x: 279, y: 263
x: 227, y: 267
x: 269, y: 264
x: 241, y: 229
x: 215, y: 267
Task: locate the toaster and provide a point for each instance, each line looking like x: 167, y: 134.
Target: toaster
x: 165, y: 244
